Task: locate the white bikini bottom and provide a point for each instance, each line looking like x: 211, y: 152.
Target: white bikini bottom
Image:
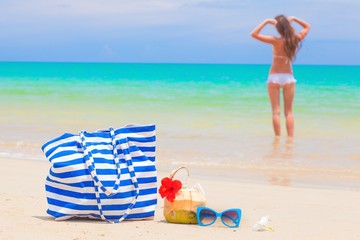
x: 281, y: 78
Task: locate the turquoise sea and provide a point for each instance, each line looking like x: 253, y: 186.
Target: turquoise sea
x: 207, y: 115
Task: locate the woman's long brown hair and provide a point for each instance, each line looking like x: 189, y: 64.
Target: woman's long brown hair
x: 285, y: 29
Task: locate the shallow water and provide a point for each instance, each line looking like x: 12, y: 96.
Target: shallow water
x: 206, y: 115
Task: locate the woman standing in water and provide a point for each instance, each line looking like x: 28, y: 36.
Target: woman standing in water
x: 281, y: 74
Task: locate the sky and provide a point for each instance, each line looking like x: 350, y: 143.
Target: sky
x: 172, y: 31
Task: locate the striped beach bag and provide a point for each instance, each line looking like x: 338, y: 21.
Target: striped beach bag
x: 108, y: 174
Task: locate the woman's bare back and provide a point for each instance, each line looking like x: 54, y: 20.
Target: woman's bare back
x: 281, y: 63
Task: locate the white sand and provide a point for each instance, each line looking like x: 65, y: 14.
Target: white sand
x: 296, y: 213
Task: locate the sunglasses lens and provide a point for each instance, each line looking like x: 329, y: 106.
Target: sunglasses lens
x: 230, y: 218
x: 207, y: 217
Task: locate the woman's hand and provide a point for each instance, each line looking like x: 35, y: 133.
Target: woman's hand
x: 271, y: 21
x: 291, y: 19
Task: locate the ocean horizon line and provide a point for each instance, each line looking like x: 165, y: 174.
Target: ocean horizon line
x: 176, y: 63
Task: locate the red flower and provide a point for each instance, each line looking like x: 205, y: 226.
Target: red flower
x: 169, y: 188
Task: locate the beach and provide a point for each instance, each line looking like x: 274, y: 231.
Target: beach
x: 295, y: 212
x: 213, y: 119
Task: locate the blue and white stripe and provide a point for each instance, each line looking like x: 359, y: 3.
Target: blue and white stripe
x: 109, y: 175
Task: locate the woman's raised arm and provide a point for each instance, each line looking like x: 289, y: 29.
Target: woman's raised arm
x: 306, y: 26
x: 256, y: 32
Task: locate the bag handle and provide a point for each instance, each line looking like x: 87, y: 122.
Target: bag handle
x: 124, y: 145
x: 125, y: 148
x: 89, y: 161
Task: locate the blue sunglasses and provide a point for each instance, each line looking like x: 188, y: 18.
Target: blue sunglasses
x: 207, y: 216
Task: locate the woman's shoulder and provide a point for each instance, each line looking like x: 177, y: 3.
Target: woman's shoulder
x: 278, y: 41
